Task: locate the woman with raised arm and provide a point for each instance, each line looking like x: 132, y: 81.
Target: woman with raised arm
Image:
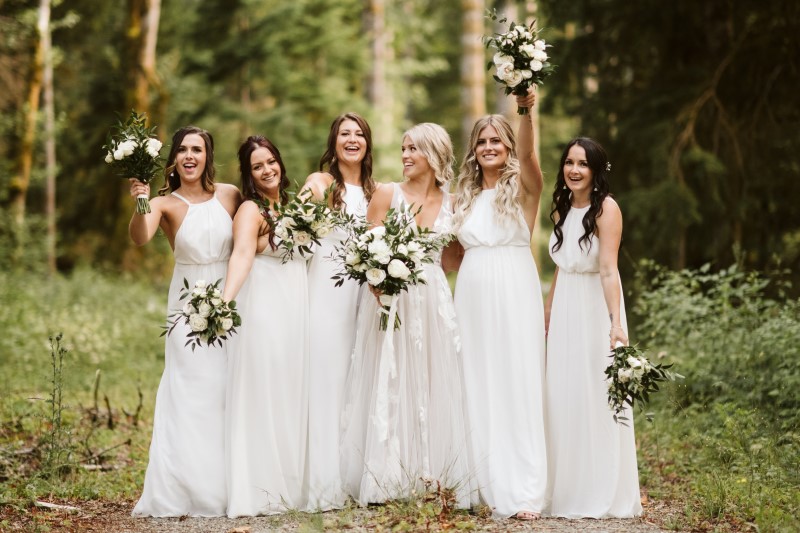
x: 592, y: 459
x: 186, y: 470
x: 267, y: 409
x: 403, y: 421
x: 346, y: 175
x: 499, y: 306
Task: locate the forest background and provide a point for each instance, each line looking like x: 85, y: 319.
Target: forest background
x: 695, y: 102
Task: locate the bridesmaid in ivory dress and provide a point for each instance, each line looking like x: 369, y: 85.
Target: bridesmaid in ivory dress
x: 267, y: 409
x: 347, y: 166
x: 592, y: 459
x: 403, y: 419
x: 186, y: 471
x: 498, y: 301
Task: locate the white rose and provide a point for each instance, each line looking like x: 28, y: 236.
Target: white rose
x: 383, y: 258
x: 188, y: 309
x: 352, y: 258
x: 528, y: 36
x: 536, y: 65
x: 386, y: 300
x: 378, y: 231
x: 505, y: 70
x: 109, y: 157
x: 216, y: 294
x: 375, y: 276
x: 540, y: 45
x: 361, y: 267
x: 624, y: 375
x: 527, y: 74
x: 201, y: 283
x: 539, y: 55
x: 323, y: 231
x: 527, y: 49
x: 216, y: 301
x: 397, y: 269
x: 378, y: 247
x: 204, y: 310
x: 153, y: 146
x: 402, y: 249
x: 500, y: 58
x: 119, y: 155
x: 287, y: 222
x: 414, y: 246
x: 514, y: 79
x: 301, y: 238
x: 227, y: 323
x: 127, y: 147
x: 633, y: 362
x: 197, y: 322
x: 281, y: 232
x: 521, y: 30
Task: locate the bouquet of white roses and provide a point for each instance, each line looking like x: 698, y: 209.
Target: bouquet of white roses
x: 133, y: 151
x: 520, y: 60
x: 300, y: 222
x: 210, y: 319
x: 389, y: 257
x: 632, y: 378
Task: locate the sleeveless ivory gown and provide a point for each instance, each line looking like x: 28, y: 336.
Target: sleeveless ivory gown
x: 499, y: 305
x: 332, y: 312
x: 266, y: 427
x: 592, y: 459
x: 186, y: 471
x: 404, y: 418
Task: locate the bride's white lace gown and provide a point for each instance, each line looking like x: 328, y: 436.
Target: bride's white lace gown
x: 404, y: 418
x: 592, y: 459
x: 186, y: 471
x: 332, y: 315
x: 499, y: 305
x: 267, y: 418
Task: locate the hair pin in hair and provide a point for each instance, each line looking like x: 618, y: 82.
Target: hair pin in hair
x: 608, y: 166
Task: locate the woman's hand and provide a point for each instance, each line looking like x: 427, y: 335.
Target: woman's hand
x: 376, y: 292
x: 617, y: 336
x: 529, y: 99
x: 137, y: 188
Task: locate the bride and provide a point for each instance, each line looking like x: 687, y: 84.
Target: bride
x: 422, y: 434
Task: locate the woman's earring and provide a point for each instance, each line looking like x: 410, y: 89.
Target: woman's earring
x: 595, y: 189
x: 564, y: 187
x: 172, y: 174
x: 477, y: 167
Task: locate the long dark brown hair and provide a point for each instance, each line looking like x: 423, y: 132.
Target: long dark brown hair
x: 329, y: 163
x: 253, y: 143
x: 172, y: 181
x: 562, y: 197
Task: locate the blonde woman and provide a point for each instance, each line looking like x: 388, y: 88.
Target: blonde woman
x: 498, y: 301
x: 403, y: 420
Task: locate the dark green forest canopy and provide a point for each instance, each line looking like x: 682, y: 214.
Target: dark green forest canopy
x: 694, y: 101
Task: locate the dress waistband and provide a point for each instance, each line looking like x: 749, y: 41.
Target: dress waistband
x: 221, y: 261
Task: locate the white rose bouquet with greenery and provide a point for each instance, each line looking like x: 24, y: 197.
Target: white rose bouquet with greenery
x: 301, y: 223
x: 132, y: 149
x: 388, y: 258
x: 633, y: 378
x: 520, y: 60
x: 210, y: 319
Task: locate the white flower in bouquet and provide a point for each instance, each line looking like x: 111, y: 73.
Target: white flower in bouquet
x: 397, y: 269
x: 527, y: 49
x: 281, y: 232
x: 288, y: 222
x: 352, y: 258
x: 539, y: 55
x: 200, y: 284
x: 414, y: 247
x: 216, y: 301
x: 402, y: 249
x: 540, y: 45
x: 527, y: 74
x: 375, y: 276
x: 377, y: 231
x: 634, y: 362
x: 227, y: 323
x: 109, y: 157
x: 189, y: 309
x: 536, y: 65
x: 501, y: 59
x: 301, y: 238
x: 197, y: 322
x: 625, y: 375
x: 153, y: 147
x: 205, y: 309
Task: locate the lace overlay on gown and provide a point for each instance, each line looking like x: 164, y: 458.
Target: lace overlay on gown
x: 422, y: 432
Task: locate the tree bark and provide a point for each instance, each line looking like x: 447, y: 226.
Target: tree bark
x: 473, y: 67
x: 381, y: 95
x: 19, y: 183
x: 50, y: 139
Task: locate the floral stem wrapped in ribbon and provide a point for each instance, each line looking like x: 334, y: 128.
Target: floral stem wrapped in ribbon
x: 133, y: 151
x: 520, y: 60
x: 388, y: 258
x: 210, y: 319
x: 300, y: 223
x: 632, y: 378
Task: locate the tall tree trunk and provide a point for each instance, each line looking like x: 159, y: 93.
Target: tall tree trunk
x: 473, y: 65
x: 148, y: 78
x: 381, y: 95
x: 18, y: 186
x: 50, y: 139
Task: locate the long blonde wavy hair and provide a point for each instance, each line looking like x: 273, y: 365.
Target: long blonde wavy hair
x: 470, y: 177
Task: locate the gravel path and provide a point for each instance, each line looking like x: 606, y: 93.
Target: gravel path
x: 104, y: 516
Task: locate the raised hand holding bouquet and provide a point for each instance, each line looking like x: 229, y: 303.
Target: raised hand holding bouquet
x: 632, y: 378
x: 301, y: 222
x: 210, y: 319
x: 521, y: 59
x: 133, y: 151
x: 388, y: 258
